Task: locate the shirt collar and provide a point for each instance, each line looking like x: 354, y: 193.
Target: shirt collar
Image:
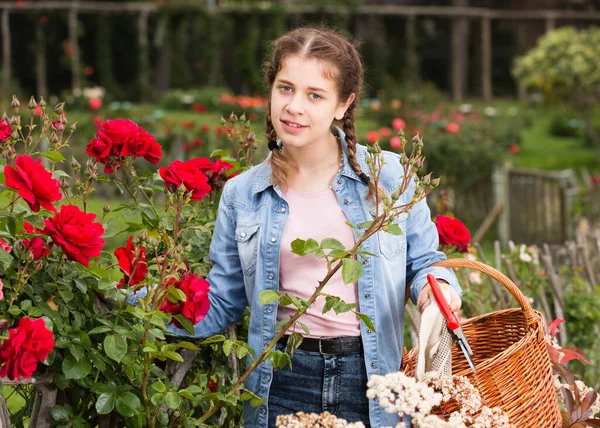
x: 263, y: 177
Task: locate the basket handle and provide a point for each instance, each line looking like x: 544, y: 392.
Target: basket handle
x: 531, y: 317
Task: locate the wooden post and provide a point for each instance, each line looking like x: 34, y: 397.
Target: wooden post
x: 486, y: 59
x: 4, y: 418
x: 557, y: 292
x: 6, y: 54
x: 499, y: 291
x: 45, y: 399
x: 144, y: 74
x: 460, y: 53
x: 550, y: 22
x: 74, y: 45
x: 500, y: 187
x: 412, y: 57
x: 40, y: 62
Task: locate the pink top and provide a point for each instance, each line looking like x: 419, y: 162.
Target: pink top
x: 316, y: 216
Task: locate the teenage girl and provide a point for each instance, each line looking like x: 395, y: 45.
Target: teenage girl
x: 313, y: 182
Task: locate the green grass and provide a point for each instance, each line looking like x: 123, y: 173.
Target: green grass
x: 545, y: 151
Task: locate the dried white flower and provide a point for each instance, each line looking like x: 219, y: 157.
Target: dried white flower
x: 490, y: 111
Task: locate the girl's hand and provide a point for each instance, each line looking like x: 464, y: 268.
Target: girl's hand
x: 424, y: 299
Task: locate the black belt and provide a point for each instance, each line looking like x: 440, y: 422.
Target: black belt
x: 330, y: 345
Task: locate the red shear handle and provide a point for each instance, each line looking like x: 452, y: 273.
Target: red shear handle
x: 453, y: 322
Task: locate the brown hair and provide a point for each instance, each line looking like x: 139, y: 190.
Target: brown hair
x: 331, y: 47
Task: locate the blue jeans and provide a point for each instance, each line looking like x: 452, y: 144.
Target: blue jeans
x: 321, y: 383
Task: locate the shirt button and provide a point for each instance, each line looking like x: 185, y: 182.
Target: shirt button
x: 339, y: 181
x: 345, y: 201
x: 267, y: 378
x: 283, y: 209
x: 263, y: 411
x: 373, y: 365
x: 273, y: 239
x: 369, y: 332
x: 367, y: 296
x: 365, y: 261
x: 243, y: 234
x: 269, y: 310
x: 270, y: 276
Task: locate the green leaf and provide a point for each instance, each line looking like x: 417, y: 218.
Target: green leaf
x: 341, y: 307
x: 213, y: 339
x: 305, y: 328
x: 158, y: 398
x: 395, y: 229
x: 187, y: 394
x: 159, y: 386
x: 185, y: 322
x: 332, y: 244
x: 74, y: 369
x: 241, y: 352
x: 188, y: 345
x: 59, y: 174
x: 319, y: 254
x: 310, y: 246
x: 329, y: 302
x: 364, y: 318
x: 280, y: 359
x: 268, y: 296
x: 285, y: 300
x: 115, y: 347
x: 281, y: 323
x: 227, y: 347
x: 128, y: 404
x: 351, y: 270
x: 350, y: 224
x: 172, y: 355
x: 219, y: 153
x: 77, y: 351
x: 256, y: 402
x: 5, y: 260
x: 61, y: 413
x: 173, y: 400
x: 365, y: 224
x: 53, y: 156
x: 294, y: 340
x: 298, y: 246
x: 105, y: 403
x: 14, y: 310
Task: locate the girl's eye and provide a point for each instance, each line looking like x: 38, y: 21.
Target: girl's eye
x: 316, y: 96
x: 285, y: 88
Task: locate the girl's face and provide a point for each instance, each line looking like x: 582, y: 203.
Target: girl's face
x: 304, y: 102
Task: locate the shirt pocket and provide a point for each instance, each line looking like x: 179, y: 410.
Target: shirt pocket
x: 247, y: 237
x: 390, y: 245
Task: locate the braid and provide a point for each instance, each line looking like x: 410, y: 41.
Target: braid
x: 350, y: 131
x: 281, y: 165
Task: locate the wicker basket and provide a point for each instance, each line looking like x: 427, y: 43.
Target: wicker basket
x: 513, y: 367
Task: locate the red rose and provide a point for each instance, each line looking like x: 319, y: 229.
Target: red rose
x: 5, y: 130
x: 199, y: 108
x: 36, y: 245
x: 5, y: 245
x: 212, y: 385
x: 119, y: 138
x: 453, y: 128
x: 453, y: 232
x: 196, y: 304
x: 76, y: 233
x: 28, y: 344
x: 372, y: 137
x: 35, y: 185
x: 131, y: 264
x: 188, y: 174
x: 215, y: 171
x: 100, y: 148
x: 95, y: 103
x: 205, y: 128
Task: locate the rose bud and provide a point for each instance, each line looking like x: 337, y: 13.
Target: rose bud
x: 15, y: 103
x: 32, y: 104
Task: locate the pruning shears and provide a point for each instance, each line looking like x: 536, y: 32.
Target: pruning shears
x: 453, y: 323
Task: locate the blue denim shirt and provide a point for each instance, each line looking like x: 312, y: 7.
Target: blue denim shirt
x: 245, y: 254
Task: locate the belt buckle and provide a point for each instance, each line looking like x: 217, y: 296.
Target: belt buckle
x: 321, y: 347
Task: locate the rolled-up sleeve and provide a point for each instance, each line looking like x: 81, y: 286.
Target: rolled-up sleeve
x: 422, y: 243
x: 227, y: 294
